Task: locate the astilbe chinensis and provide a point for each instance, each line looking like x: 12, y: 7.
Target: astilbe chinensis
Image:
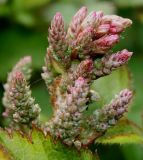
x: 24, y: 65
x: 19, y: 104
x: 73, y: 61
x: 69, y: 82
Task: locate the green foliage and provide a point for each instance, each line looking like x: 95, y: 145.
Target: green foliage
x: 125, y: 132
x: 129, y: 3
x: 40, y: 147
x: 109, y: 86
x: 42, y: 99
x: 18, y: 43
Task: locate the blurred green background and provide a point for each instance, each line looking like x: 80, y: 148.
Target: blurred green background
x: 24, y: 29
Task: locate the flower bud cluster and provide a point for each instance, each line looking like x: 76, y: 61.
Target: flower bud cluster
x: 23, y: 108
x: 68, y: 116
x: 57, y: 40
x: 108, y: 116
x: 24, y: 66
x: 96, y: 33
x: 88, y: 37
x: 74, y: 60
x: 111, y: 62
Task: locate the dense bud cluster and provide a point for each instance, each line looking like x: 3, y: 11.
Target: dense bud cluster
x: 19, y: 104
x: 68, y: 116
x: 106, y: 117
x: 75, y: 58
x: 87, y: 36
x: 111, y: 62
x: 24, y: 66
x: 22, y: 107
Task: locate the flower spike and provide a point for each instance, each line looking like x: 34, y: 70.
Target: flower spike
x: 22, y: 107
x: 111, y: 62
x: 74, y: 60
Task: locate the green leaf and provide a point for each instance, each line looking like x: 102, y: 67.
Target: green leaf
x: 109, y: 86
x: 26, y: 4
x: 40, y: 147
x: 112, y: 84
x: 135, y: 149
x: 40, y: 93
x: 16, y: 43
x: 106, y: 7
x: 125, y: 132
x: 129, y: 3
x: 67, y: 9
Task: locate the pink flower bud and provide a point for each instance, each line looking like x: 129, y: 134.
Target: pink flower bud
x: 83, y: 43
x: 85, y: 36
x: 75, y: 24
x: 84, y: 69
x: 92, y: 20
x: 117, y: 23
x: 107, y: 41
x: 19, y: 76
x: 102, y: 30
x: 81, y: 13
x: 57, y: 34
x: 57, y: 21
x: 122, y: 56
x: 111, y: 62
x: 6, y: 113
x: 79, y: 82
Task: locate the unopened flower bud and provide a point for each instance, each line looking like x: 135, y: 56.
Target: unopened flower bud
x: 102, y: 30
x: 83, y: 42
x: 104, y: 44
x: 117, y: 23
x: 107, y: 41
x: 75, y: 24
x: 84, y: 69
x: 111, y: 62
x: 22, y: 106
x: 92, y: 20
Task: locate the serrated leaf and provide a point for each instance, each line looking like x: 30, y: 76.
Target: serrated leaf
x: 40, y: 147
x: 125, y: 132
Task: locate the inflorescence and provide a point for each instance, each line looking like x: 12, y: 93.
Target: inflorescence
x: 74, y: 59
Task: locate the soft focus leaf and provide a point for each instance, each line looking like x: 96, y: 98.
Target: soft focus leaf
x: 64, y: 8
x: 136, y: 111
x: 40, y: 93
x: 26, y: 4
x: 109, y: 86
x: 16, y: 43
x: 26, y: 19
x: 40, y: 148
x: 135, y: 149
x: 125, y: 132
x: 106, y: 7
x: 129, y: 3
